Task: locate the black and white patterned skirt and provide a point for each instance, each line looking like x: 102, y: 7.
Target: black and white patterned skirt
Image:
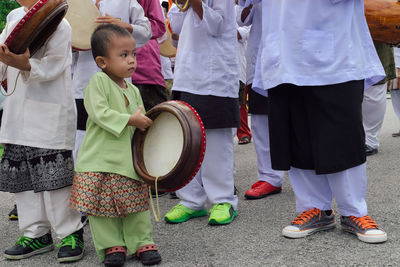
x: 24, y: 168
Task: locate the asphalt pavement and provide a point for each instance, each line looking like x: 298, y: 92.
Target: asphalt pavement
x: 254, y: 237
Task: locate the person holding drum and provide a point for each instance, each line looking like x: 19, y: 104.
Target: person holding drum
x: 206, y: 77
x: 126, y: 13
x: 106, y: 185
x: 314, y: 66
x: 38, y: 130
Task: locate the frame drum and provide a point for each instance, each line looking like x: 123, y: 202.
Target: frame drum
x: 39, y: 23
x: 166, y: 48
x: 172, y: 148
x: 81, y: 15
x: 383, y: 17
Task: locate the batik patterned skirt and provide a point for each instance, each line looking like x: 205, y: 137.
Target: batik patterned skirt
x: 108, y: 194
x: 25, y: 168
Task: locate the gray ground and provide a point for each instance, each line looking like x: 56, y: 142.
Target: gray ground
x: 254, y: 238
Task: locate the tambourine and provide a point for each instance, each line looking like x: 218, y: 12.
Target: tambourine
x: 171, y: 151
x: 81, y: 16
x: 383, y: 17
x: 39, y: 23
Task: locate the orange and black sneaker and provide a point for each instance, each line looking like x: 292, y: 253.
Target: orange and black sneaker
x: 309, y: 222
x: 365, y: 228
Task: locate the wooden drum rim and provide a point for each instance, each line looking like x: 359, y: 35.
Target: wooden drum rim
x: 189, y: 142
x: 32, y: 25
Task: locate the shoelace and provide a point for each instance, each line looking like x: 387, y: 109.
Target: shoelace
x: 219, y: 207
x: 23, y: 241
x: 70, y: 240
x: 306, y: 216
x: 365, y: 222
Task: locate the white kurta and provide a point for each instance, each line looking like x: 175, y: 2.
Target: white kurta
x: 41, y: 111
x: 253, y: 19
x: 129, y: 11
x: 206, y: 62
x: 312, y: 42
x: 244, y: 32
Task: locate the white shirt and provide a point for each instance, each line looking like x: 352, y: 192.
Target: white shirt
x: 255, y: 20
x: 242, y: 47
x: 311, y: 42
x: 166, y: 68
x: 206, y: 61
x: 129, y: 11
x: 41, y: 111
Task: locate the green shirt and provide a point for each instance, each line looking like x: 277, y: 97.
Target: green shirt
x: 385, y: 53
x: 106, y: 146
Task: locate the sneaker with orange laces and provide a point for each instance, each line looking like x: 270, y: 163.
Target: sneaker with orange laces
x: 261, y: 189
x: 309, y: 222
x: 365, y: 228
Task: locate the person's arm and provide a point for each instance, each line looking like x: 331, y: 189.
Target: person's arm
x: 176, y: 19
x: 155, y: 15
x: 213, y: 18
x: 56, y: 59
x: 244, y: 16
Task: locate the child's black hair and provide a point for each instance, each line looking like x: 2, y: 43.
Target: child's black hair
x: 101, y: 38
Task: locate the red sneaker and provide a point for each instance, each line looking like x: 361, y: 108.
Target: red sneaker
x: 261, y: 189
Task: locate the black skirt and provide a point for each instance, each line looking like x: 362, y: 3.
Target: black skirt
x: 82, y: 114
x: 215, y: 112
x: 258, y: 104
x: 317, y: 127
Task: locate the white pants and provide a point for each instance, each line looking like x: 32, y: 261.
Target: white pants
x: 373, y: 111
x: 395, y: 95
x: 80, y: 134
x: 214, y: 181
x: 39, y: 212
x: 316, y: 191
x: 260, y: 130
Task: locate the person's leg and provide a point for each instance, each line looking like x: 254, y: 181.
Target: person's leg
x: 269, y: 181
x: 36, y: 238
x: 373, y: 111
x: 349, y: 188
x: 314, y: 200
x: 106, y: 233
x: 217, y: 175
x: 395, y: 95
x: 243, y: 131
x: 138, y: 236
x: 80, y: 134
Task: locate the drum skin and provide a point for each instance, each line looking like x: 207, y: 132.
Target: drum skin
x: 383, y: 18
x: 39, y: 23
x: 193, y: 150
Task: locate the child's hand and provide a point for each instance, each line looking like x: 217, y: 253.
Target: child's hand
x: 139, y: 120
x: 110, y: 19
x: 20, y: 62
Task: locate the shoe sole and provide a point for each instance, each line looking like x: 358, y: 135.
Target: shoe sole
x: 13, y: 217
x: 228, y: 221
x: 250, y: 197
x: 71, y: 259
x: 194, y: 215
x: 304, y: 233
x: 28, y: 255
x: 372, y: 239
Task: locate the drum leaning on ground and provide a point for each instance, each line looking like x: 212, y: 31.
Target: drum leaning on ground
x: 81, y: 16
x: 172, y: 149
x: 39, y: 23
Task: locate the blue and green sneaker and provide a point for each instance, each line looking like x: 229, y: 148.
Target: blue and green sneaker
x: 26, y: 247
x: 180, y: 213
x: 71, y: 247
x: 221, y: 213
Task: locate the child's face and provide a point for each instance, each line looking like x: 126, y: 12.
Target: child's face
x: 27, y: 3
x: 120, y: 61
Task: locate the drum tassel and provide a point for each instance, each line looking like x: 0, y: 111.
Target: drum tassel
x: 157, y: 216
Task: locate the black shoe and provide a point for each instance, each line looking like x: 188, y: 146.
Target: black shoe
x: 71, y: 247
x: 172, y: 195
x: 84, y: 219
x: 13, y: 215
x: 370, y: 150
x: 26, y: 247
x: 150, y: 257
x: 155, y: 194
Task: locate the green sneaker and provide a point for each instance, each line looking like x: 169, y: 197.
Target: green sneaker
x: 180, y: 213
x: 26, y: 247
x: 221, y: 213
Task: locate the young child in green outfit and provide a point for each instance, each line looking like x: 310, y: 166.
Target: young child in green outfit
x: 106, y: 186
